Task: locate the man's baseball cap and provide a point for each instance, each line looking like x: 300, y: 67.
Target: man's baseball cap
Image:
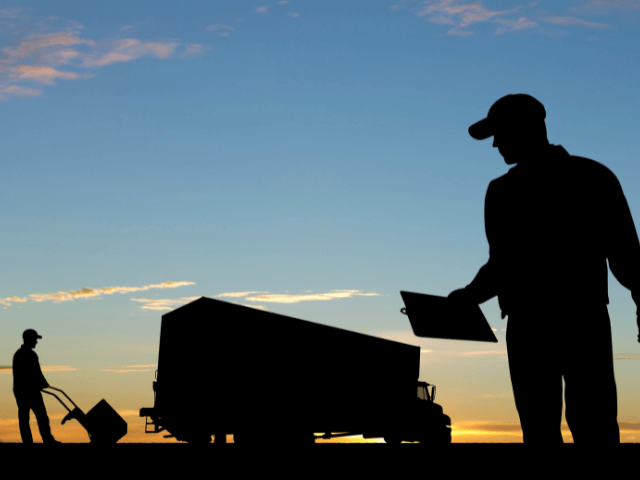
x: 30, y: 333
x: 512, y: 108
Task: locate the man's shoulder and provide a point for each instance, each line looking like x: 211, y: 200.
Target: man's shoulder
x: 24, y: 353
x: 589, y: 169
x: 561, y: 160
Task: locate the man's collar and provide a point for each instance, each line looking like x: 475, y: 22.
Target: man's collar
x: 548, y: 156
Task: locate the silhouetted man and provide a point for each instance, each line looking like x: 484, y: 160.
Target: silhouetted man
x: 552, y: 222
x: 28, y: 380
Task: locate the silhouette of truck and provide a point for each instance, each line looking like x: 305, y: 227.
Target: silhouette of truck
x: 227, y: 369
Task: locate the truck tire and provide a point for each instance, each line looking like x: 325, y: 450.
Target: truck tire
x: 293, y: 438
x: 438, y: 437
x: 392, y: 439
x: 200, y: 438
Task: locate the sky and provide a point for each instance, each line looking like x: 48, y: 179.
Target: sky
x: 302, y: 157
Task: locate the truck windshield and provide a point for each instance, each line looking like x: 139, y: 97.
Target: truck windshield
x: 422, y: 393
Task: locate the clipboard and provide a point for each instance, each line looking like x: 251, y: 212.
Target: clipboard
x: 438, y: 317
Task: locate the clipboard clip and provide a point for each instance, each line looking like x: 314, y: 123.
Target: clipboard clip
x: 404, y: 312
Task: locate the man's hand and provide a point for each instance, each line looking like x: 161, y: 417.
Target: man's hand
x: 460, y: 296
x: 636, y: 298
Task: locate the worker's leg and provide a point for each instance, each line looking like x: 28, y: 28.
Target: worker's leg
x: 536, y: 379
x: 590, y: 386
x: 24, y: 409
x: 37, y: 405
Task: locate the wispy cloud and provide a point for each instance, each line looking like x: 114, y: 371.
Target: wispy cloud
x: 43, y: 54
x: 58, y: 368
x: 130, y: 368
x: 45, y: 368
x: 634, y: 4
x: 220, y: 29
x: 236, y: 294
x: 573, y: 22
x: 110, y: 290
x: 288, y: 298
x: 460, y: 14
x: 453, y: 12
x: 125, y: 370
x: 160, y: 304
x: 129, y: 49
x: 85, y: 292
x: 163, y: 304
x: 512, y: 25
x: 262, y: 9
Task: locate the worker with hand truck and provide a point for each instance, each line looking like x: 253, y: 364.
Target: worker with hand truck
x: 28, y: 381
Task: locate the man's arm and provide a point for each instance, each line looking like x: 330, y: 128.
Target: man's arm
x: 484, y: 286
x: 622, y: 245
x: 39, y: 381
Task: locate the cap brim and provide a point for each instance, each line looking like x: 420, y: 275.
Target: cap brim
x: 481, y: 130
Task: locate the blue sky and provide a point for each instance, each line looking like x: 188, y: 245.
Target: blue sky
x: 315, y: 152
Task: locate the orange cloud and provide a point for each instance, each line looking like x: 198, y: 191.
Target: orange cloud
x: 39, y: 73
x: 58, y: 368
x: 39, y: 41
x: 37, y: 57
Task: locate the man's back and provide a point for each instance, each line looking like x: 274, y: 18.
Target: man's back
x: 27, y: 375
x: 551, y: 225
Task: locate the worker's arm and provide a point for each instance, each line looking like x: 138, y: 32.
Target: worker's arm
x: 38, y: 379
x: 622, y: 245
x: 484, y: 286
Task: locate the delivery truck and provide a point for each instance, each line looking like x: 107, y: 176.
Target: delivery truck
x: 229, y: 369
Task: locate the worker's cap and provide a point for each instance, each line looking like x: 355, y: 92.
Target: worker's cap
x: 508, y: 110
x: 30, y: 333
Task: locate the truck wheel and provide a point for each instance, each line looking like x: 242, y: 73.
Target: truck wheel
x: 440, y: 437
x: 199, y: 438
x: 392, y: 439
x: 248, y: 438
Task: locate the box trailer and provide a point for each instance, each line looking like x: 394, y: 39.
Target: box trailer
x: 228, y: 369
